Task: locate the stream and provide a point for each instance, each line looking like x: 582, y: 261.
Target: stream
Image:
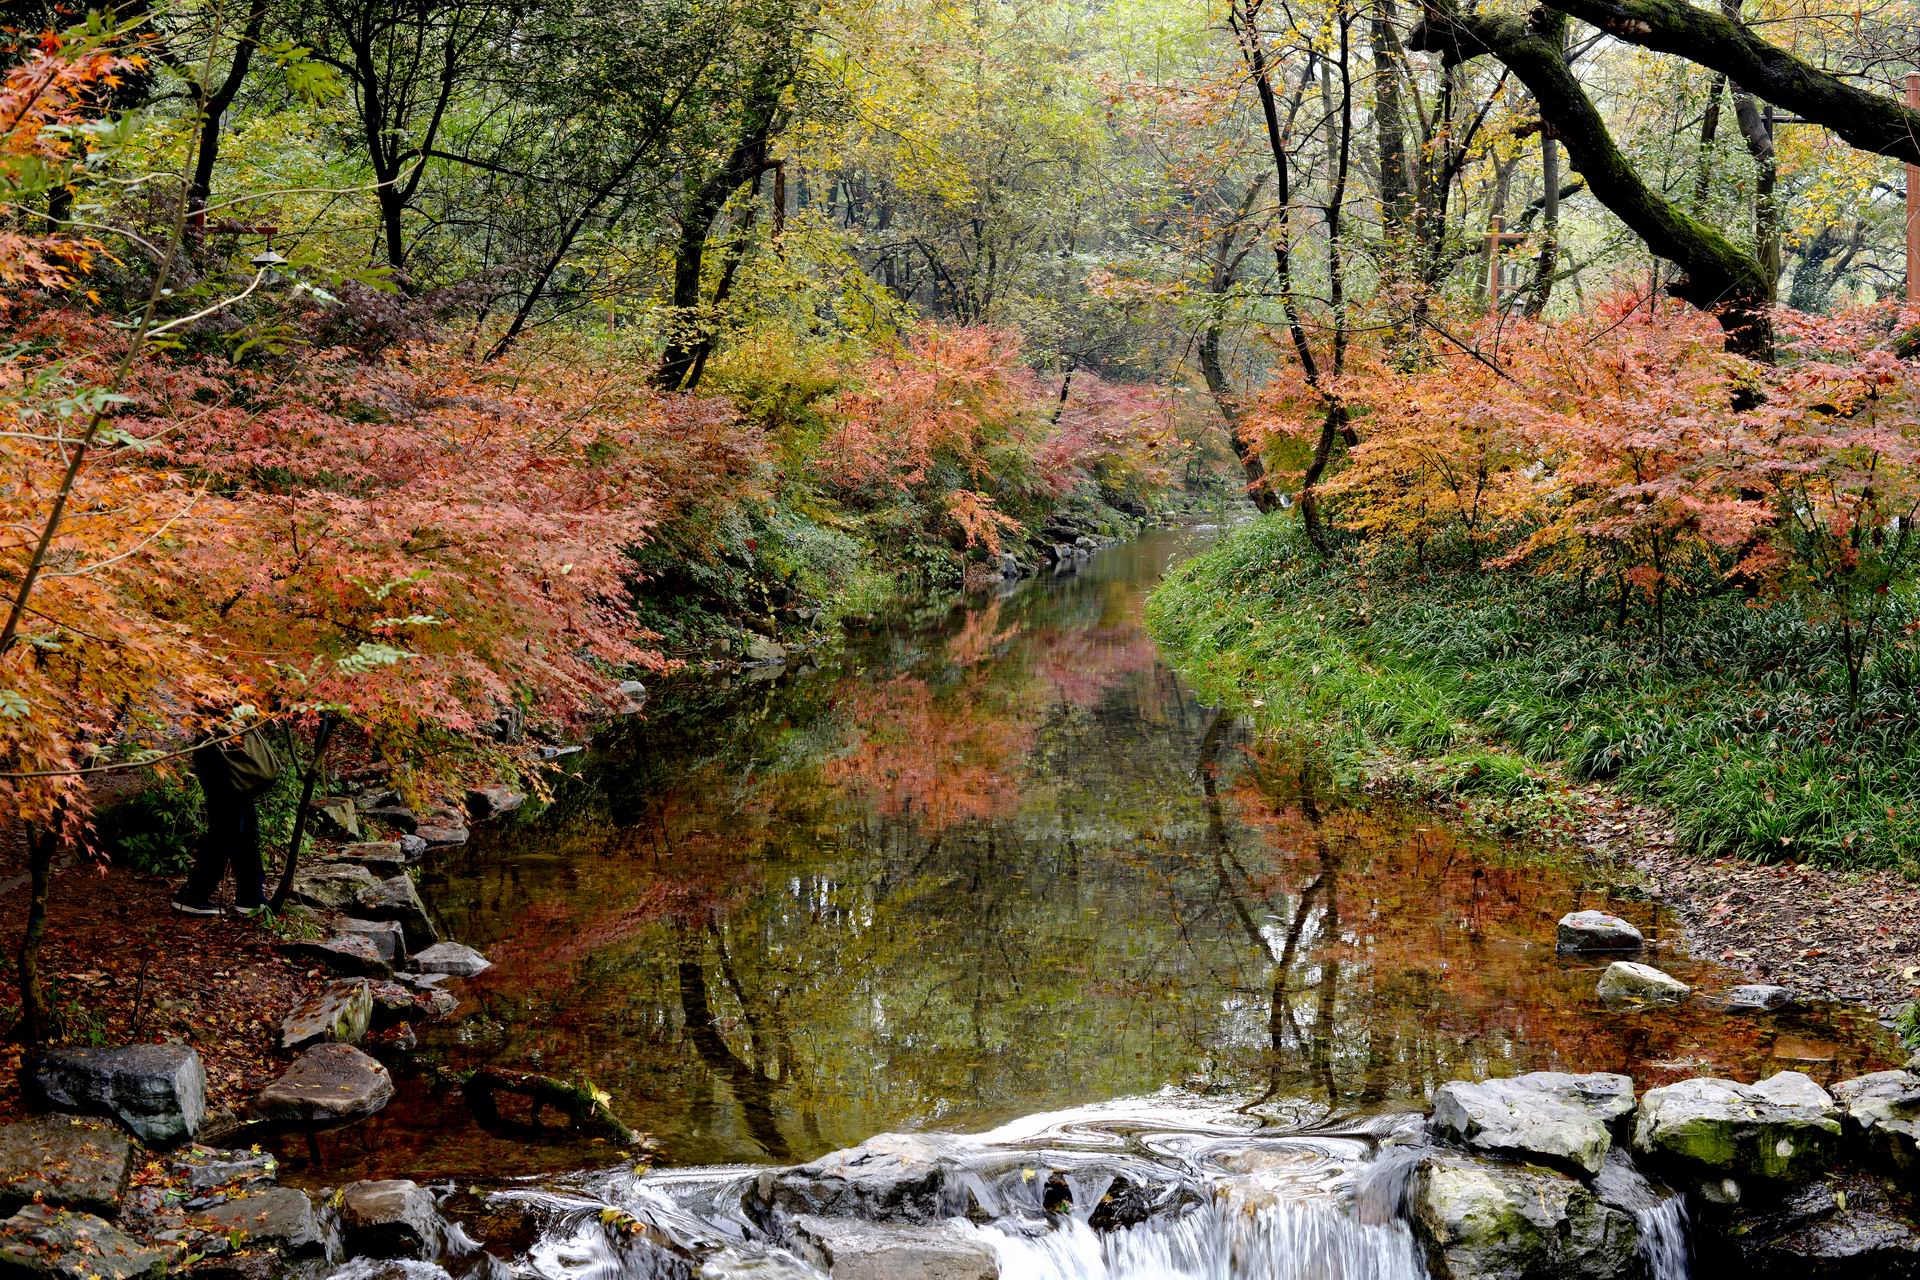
x: 990, y: 875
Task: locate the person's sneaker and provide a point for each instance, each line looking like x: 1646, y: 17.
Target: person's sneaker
x: 195, y: 908
x: 256, y: 910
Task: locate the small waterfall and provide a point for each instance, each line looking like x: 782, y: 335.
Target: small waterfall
x: 1663, y: 1238
x: 1278, y: 1240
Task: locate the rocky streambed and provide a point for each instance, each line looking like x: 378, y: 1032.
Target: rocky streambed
x: 1541, y: 1175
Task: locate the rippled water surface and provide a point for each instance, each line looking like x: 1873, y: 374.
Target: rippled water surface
x: 994, y: 860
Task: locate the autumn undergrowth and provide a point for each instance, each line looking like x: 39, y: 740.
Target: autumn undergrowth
x: 1482, y: 683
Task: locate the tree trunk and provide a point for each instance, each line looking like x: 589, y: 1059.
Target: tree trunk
x: 300, y: 814
x: 34, y: 1014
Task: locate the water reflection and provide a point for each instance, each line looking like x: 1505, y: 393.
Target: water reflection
x: 996, y: 860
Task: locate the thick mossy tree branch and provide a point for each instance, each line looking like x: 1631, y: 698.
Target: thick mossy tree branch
x: 1868, y: 119
x: 1720, y: 276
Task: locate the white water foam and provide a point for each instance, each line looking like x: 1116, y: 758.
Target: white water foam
x: 1663, y: 1239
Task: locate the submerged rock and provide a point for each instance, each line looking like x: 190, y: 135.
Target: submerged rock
x: 1483, y: 1220
x: 1723, y: 1133
x: 1758, y: 997
x: 850, y: 1250
x: 40, y: 1241
x: 74, y: 1164
x: 1547, y: 1116
x: 158, y: 1091
x: 1585, y: 931
x: 891, y: 1176
x: 1625, y: 982
x: 1884, y: 1109
x: 329, y: 1084
x: 207, y: 1168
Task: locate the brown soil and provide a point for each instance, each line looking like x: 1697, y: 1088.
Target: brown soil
x: 122, y: 967
x: 1843, y: 935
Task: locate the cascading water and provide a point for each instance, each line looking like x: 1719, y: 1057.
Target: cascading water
x: 1663, y: 1239
x: 1209, y: 1195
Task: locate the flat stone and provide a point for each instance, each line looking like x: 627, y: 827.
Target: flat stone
x: 41, y: 1241
x: 398, y: 899
x: 207, y: 1168
x: 158, y: 1091
x: 1548, y: 1116
x: 344, y: 953
x: 277, y: 1216
x: 452, y: 959
x: 1758, y: 997
x: 341, y: 1012
x: 1625, y: 982
x: 760, y: 649
x: 390, y: 1218
x: 329, y: 1084
x: 441, y: 835
x: 493, y: 801
x: 331, y: 886
x: 1584, y: 931
x: 381, y: 857
x: 1482, y: 1219
x: 73, y: 1164
x: 847, y: 1249
x: 411, y: 845
x: 1720, y: 1131
x: 387, y: 937
x: 1884, y: 1110
x: 389, y: 808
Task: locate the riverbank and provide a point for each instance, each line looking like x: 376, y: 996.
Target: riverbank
x: 1783, y: 843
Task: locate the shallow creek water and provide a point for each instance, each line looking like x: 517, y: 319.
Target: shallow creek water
x: 992, y: 863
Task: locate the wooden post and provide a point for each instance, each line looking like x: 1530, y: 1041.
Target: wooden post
x: 1913, y: 206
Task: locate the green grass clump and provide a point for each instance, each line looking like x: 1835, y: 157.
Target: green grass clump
x: 1736, y: 718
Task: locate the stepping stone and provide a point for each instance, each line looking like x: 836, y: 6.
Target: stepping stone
x: 441, y: 836
x: 332, y: 886
x: 390, y: 1218
x: 386, y: 936
x: 1625, y: 982
x: 381, y: 857
x: 278, y: 1216
x: 352, y: 954
x: 491, y: 802
x: 398, y: 899
x: 329, y: 1084
x: 340, y: 1013
x: 451, y: 958
x: 1759, y: 997
x: 67, y: 1245
x: 1587, y: 931
x: 73, y: 1164
x: 158, y: 1091
x: 208, y: 1168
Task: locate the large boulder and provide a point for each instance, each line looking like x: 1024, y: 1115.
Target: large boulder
x: 59, y: 1160
x: 1723, y: 1134
x: 451, y: 959
x: 340, y: 1012
x: 1483, y: 1220
x: 280, y: 1217
x: 1588, y: 931
x: 1845, y: 1226
x: 1625, y: 982
x: 158, y: 1091
x: 850, y: 1250
x: 1884, y: 1109
x: 329, y: 1084
x: 1548, y: 1117
x: 331, y: 886
x: 891, y: 1176
x: 391, y: 1218
x: 398, y: 899
x: 344, y: 953
x: 63, y: 1243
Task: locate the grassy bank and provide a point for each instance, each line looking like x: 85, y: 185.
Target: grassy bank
x: 1486, y: 684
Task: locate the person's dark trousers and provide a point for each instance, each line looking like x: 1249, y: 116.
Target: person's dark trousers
x: 232, y: 839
